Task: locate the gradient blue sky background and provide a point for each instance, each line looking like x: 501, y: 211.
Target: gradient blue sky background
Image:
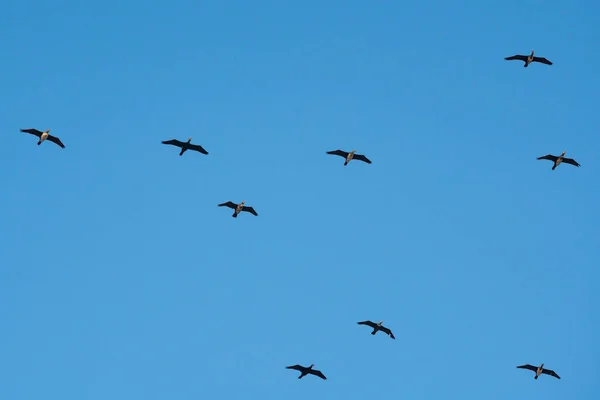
x: 120, y: 277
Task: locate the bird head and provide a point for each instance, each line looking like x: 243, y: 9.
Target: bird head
x: 381, y: 322
x: 532, y: 52
x: 564, y: 152
x: 48, y: 131
x: 189, y: 140
x: 542, y: 365
x: 311, y: 365
x: 243, y: 201
x: 353, y: 151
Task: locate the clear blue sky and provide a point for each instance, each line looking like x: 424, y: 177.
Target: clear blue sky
x: 121, y: 279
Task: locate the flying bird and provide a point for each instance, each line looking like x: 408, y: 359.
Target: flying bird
x: 185, y: 146
x: 558, y: 160
x: 238, y: 208
x: 305, y: 371
x: 529, y: 59
x: 377, y: 327
x: 349, y: 156
x: 43, y: 136
x: 539, y: 370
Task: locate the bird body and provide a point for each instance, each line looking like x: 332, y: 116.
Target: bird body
x: 558, y: 160
x: 539, y: 370
x: 307, y: 370
x: 43, y: 136
x: 238, y: 208
x: 185, y: 146
x: 377, y: 327
x: 349, y: 156
x: 529, y: 59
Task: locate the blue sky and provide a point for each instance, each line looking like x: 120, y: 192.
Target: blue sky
x: 120, y: 277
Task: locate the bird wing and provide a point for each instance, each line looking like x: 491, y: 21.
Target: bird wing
x: 32, y: 131
x: 570, y: 161
x: 317, y: 373
x: 361, y: 158
x: 174, y: 142
x: 517, y: 57
x: 388, y: 331
x: 250, y: 210
x: 56, y: 140
x: 550, y: 372
x: 340, y: 153
x: 296, y: 367
x: 369, y: 323
x: 199, y: 148
x: 229, y: 204
x: 548, y: 157
x: 529, y: 367
x: 542, y: 60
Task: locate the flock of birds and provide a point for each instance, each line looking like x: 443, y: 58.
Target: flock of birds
x: 348, y: 156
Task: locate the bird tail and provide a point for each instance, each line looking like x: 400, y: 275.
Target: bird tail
x: 536, y: 377
x: 374, y: 331
x: 39, y: 142
x: 345, y: 163
x: 182, y: 151
x: 553, y: 167
x: 234, y: 215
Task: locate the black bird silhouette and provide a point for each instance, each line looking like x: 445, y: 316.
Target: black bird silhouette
x: 558, y: 160
x: 43, y: 136
x: 377, y: 327
x: 185, y: 146
x: 349, y: 156
x: 529, y: 59
x: 539, y: 370
x: 305, y: 371
x: 238, y: 208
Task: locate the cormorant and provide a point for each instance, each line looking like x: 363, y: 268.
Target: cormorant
x: 186, y: 146
x: 559, y: 159
x: 238, y: 208
x: 377, y: 327
x: 539, y: 370
x: 349, y: 156
x: 305, y: 371
x: 529, y: 59
x: 43, y: 136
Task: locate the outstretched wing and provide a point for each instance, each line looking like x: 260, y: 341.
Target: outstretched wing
x: 388, y: 331
x: 229, y: 204
x: 32, y: 131
x: 529, y: 367
x: 542, y: 60
x: 571, y: 161
x: 199, y: 148
x: 56, y: 140
x: 369, y: 323
x: 516, y: 57
x: 550, y: 372
x: 250, y: 210
x: 296, y: 367
x: 548, y: 157
x: 340, y: 153
x: 317, y: 373
x: 173, y: 142
x: 361, y: 158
